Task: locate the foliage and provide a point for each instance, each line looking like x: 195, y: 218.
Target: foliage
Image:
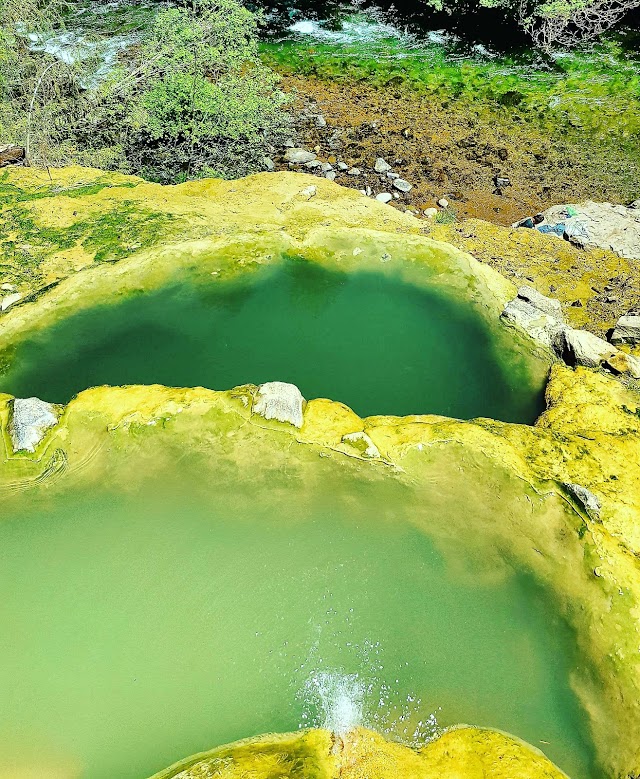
x: 192, y: 98
x: 200, y: 101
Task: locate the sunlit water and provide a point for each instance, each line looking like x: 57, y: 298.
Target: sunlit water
x: 138, y: 629
x: 373, y: 342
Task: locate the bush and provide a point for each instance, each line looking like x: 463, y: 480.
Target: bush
x: 191, y: 99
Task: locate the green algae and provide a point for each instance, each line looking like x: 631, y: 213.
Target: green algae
x: 191, y: 603
x: 337, y: 335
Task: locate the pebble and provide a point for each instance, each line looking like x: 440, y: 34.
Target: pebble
x: 354, y: 172
x: 313, y: 164
x: 443, y: 202
x: 309, y: 192
x: 321, y: 121
x: 384, y: 197
x: 343, y: 166
x: 7, y: 302
x: 326, y: 167
x: 430, y: 212
x: 331, y: 175
x: 268, y: 163
x: 393, y: 176
x: 381, y: 166
x: 402, y: 185
x: 298, y: 156
x: 6, y: 287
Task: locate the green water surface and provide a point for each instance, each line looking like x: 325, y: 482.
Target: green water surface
x: 378, y: 344
x: 140, y: 628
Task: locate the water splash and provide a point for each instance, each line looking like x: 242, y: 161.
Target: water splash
x: 338, y: 698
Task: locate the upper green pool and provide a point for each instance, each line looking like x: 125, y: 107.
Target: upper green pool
x: 370, y: 340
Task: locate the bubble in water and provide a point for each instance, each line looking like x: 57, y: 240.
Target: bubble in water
x: 338, y: 698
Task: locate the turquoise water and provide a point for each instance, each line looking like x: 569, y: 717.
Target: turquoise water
x: 371, y: 341
x: 141, y: 628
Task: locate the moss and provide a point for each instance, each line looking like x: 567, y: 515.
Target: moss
x: 109, y: 236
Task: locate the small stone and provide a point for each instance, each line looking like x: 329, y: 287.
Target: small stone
x: 9, y: 301
x: 384, y: 197
x: 627, y: 330
x: 502, y: 181
x: 321, y: 121
x: 309, y: 192
x: 381, y: 166
x: 354, y: 172
x: 393, y: 176
x: 626, y: 364
x: 326, y: 167
x: 280, y: 400
x: 368, y: 191
x: 579, y: 347
x: 586, y: 498
x: 343, y: 166
x: 550, y: 306
x: 430, y: 213
x: 268, y: 163
x: 6, y: 287
x: 30, y: 418
x: 362, y: 443
x: 289, y: 144
x: 402, y: 185
x: 299, y: 156
x: 331, y: 175
x: 443, y: 202
x: 313, y: 164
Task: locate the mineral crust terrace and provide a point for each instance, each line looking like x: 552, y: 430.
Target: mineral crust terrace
x: 560, y: 498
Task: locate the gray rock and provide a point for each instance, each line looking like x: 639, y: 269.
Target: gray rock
x: 331, y: 175
x: 384, y: 197
x: 402, y: 185
x: 309, y: 192
x: 550, y: 306
x: 586, y: 498
x: 431, y: 213
x: 321, y: 121
x: 10, y: 300
x: 30, y: 419
x: 354, y: 172
x: 540, y: 326
x: 362, y: 443
x: 268, y: 163
x: 627, y: 330
x: 280, y: 400
x: 393, y: 176
x: 579, y: 347
x: 599, y: 225
x: 326, y: 167
x: 299, y: 156
x: 443, y: 202
x: 381, y: 166
x: 343, y: 166
x: 313, y: 164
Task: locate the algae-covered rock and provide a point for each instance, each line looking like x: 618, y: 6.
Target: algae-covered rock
x: 462, y: 753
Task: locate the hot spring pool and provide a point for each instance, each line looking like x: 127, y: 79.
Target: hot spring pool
x: 372, y: 341
x: 146, y: 624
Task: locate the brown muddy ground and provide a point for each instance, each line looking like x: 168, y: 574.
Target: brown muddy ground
x: 454, y: 150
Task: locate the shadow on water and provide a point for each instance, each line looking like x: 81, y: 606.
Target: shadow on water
x: 378, y: 344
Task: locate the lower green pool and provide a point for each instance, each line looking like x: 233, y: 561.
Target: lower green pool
x: 145, y: 625
x: 372, y: 341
